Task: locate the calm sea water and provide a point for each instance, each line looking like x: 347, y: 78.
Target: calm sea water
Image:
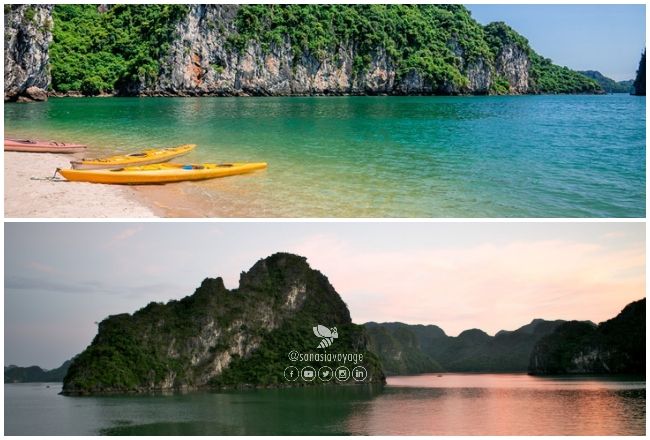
x: 522, y: 156
x: 454, y: 404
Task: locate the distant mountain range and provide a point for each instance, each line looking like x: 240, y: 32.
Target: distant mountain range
x: 609, y: 85
x: 540, y: 347
x: 15, y: 374
x: 414, y: 349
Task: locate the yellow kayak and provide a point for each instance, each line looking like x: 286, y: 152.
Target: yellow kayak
x: 146, y: 157
x: 161, y: 173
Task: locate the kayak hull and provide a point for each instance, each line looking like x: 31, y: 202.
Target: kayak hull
x: 147, y: 157
x: 161, y: 173
x: 31, y: 146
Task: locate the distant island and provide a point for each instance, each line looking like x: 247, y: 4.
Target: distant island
x: 609, y: 85
x: 270, y: 50
x: 16, y: 374
x: 413, y: 349
x: 542, y: 347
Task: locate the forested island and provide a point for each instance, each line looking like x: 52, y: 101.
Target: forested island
x: 220, y: 338
x: 279, y: 50
x: 16, y: 374
x: 414, y: 349
x: 609, y: 85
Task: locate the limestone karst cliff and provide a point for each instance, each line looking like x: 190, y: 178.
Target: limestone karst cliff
x: 233, y: 50
x: 222, y: 338
x: 216, y: 52
x: 28, y: 34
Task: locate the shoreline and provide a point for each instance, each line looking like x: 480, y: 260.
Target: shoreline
x: 23, y: 99
x: 208, y: 94
x: 27, y: 198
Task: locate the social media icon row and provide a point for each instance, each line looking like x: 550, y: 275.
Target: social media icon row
x: 326, y: 374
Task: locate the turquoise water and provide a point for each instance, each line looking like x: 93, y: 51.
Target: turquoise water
x: 520, y: 156
x: 455, y: 404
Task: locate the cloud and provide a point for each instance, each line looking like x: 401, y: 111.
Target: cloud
x: 614, y: 235
x: 47, y: 284
x: 150, y: 291
x: 40, y: 267
x: 487, y: 285
x: 127, y: 233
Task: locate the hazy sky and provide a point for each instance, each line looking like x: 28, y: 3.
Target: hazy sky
x: 608, y: 38
x: 62, y: 277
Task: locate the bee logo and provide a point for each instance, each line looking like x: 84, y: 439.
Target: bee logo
x: 327, y: 334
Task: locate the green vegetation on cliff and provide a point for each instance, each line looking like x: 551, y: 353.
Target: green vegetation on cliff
x: 101, y: 49
x: 551, y: 78
x: 546, y: 77
x: 434, y: 41
x: 94, y: 51
x: 416, y: 38
x: 219, y: 337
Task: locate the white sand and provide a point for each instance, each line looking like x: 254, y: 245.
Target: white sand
x: 25, y: 197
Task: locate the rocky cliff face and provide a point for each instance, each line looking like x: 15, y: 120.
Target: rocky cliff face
x: 214, y: 50
x: 28, y: 34
x: 201, y: 61
x: 614, y: 346
x: 639, y: 81
x: 218, y: 337
x: 513, y: 64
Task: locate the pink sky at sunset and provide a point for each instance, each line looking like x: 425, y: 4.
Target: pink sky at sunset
x: 485, y: 286
x: 458, y: 276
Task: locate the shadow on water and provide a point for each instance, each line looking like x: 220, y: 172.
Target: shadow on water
x: 294, y: 411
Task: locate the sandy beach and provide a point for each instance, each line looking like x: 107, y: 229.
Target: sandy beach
x: 25, y: 197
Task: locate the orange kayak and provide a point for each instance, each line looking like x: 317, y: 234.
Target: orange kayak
x: 32, y: 146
